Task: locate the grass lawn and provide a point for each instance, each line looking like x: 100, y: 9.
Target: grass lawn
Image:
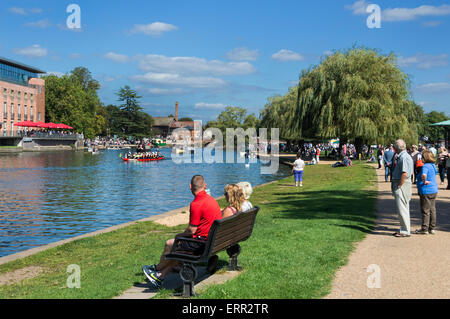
x: 301, y: 237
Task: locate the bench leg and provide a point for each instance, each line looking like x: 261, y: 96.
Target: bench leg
x: 188, y: 274
x: 233, y: 252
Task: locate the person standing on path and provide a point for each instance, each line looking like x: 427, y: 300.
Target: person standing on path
x: 402, y: 187
x: 297, y: 169
x: 442, y: 158
x: 380, y: 153
x: 428, y: 188
x: 447, y: 166
x: 388, y: 159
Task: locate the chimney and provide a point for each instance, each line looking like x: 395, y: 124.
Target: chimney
x: 176, y: 111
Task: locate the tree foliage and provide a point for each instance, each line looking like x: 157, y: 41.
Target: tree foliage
x: 234, y: 117
x: 73, y: 99
x: 358, y: 95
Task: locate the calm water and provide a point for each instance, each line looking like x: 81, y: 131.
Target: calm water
x: 46, y: 197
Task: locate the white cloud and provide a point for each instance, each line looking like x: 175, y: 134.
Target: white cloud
x: 407, y: 14
x: 39, y: 24
x: 192, y: 65
x: 423, y: 61
x: 25, y: 12
x: 287, y: 55
x: 171, y: 79
x: 116, y: 57
x: 153, y: 29
x: 434, y: 87
x: 213, y: 106
x: 57, y: 73
x: 243, y: 54
x: 35, y: 51
x: 401, y: 14
x: 358, y: 8
x: 164, y: 91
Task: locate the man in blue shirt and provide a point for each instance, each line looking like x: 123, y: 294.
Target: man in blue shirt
x: 402, y: 187
x: 388, y: 159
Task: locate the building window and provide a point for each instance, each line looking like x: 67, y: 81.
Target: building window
x: 4, y: 128
x: 12, y: 95
x: 39, y: 89
x: 19, y: 95
x: 39, y: 116
x: 31, y: 113
x: 12, y: 128
x: 25, y: 96
x: 5, y: 110
x: 19, y: 112
x: 31, y: 99
x: 5, y: 95
x: 12, y: 111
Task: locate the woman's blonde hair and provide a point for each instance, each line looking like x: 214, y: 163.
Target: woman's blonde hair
x: 428, y: 157
x: 234, y: 196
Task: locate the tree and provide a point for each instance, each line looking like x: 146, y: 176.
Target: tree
x: 69, y: 102
x: 433, y: 133
x: 358, y: 95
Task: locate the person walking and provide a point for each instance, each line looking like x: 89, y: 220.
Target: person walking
x: 388, y: 159
x: 415, y: 156
x: 428, y: 188
x: 447, y: 166
x: 297, y: 170
x: 380, y: 154
x: 442, y: 158
x: 402, y: 187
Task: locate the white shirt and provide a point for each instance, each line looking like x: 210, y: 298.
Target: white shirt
x: 246, y: 206
x: 299, y: 164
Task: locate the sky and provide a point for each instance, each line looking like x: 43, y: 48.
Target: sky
x: 208, y: 55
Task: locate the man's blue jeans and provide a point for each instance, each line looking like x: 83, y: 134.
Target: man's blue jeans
x: 387, y: 173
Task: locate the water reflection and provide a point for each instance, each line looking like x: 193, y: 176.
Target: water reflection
x: 46, y: 197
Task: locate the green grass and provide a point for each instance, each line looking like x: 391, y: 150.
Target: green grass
x: 301, y: 237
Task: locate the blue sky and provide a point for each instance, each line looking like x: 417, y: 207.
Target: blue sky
x: 211, y: 54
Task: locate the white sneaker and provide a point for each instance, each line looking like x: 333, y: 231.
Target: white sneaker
x: 432, y: 232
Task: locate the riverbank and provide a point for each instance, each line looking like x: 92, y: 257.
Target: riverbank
x: 299, y: 238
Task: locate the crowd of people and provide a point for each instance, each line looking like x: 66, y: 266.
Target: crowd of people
x: 204, y: 210
x: 417, y: 165
x: 143, y: 155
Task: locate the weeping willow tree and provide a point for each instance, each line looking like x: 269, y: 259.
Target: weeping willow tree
x: 278, y: 112
x: 358, y: 95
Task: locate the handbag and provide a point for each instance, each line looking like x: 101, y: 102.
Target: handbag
x: 419, y: 163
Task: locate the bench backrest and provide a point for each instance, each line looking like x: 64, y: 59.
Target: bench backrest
x: 231, y: 230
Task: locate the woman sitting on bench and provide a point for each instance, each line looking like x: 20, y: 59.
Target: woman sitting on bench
x: 235, y: 198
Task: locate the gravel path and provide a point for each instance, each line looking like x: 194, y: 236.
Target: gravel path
x: 414, y: 267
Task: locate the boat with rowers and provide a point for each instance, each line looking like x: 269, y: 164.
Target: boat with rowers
x: 143, y: 157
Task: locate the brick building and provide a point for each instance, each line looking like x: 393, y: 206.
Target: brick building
x: 22, y: 96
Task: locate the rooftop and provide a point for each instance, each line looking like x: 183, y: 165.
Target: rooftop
x: 20, y: 65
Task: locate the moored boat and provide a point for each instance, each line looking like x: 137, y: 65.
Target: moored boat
x: 143, y: 159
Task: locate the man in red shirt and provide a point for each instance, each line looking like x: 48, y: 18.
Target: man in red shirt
x: 204, y: 211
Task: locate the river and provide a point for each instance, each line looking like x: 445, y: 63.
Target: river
x: 50, y: 196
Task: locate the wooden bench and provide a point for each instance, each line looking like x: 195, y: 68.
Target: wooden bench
x: 225, y: 234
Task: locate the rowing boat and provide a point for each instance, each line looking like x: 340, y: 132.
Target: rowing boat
x: 144, y: 159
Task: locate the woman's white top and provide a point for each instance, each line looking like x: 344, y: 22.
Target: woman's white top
x: 299, y: 165
x: 246, y: 206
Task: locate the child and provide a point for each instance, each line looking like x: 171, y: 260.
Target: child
x: 297, y: 169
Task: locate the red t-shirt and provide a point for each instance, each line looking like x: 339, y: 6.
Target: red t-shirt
x: 203, y: 212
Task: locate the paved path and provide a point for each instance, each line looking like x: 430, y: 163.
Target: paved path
x: 173, y: 281
x: 414, y: 267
